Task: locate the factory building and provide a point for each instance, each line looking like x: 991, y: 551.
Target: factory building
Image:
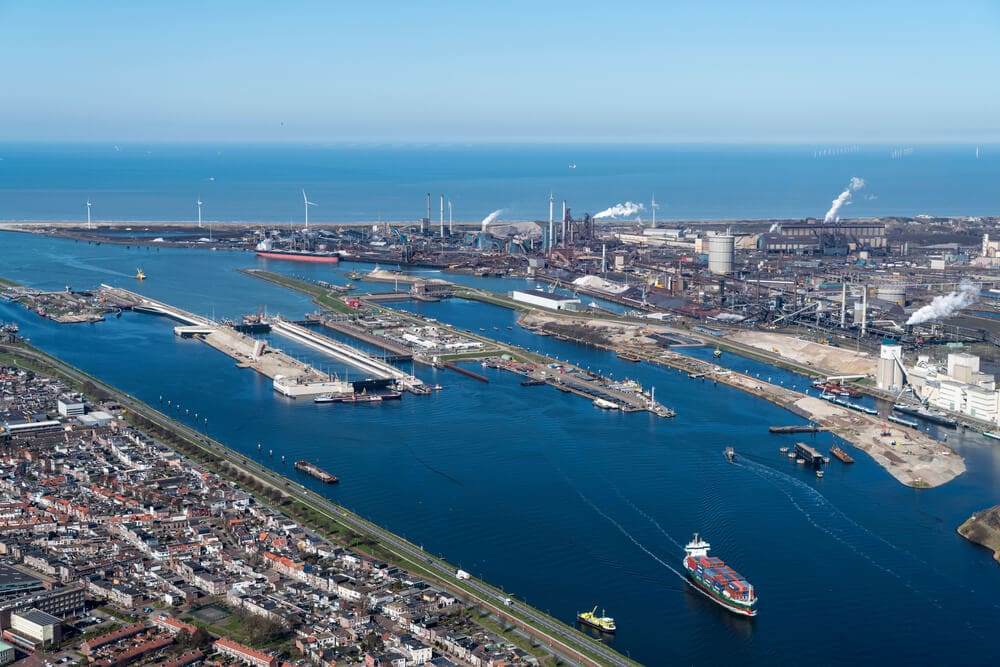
x: 839, y: 238
x: 960, y: 387
x: 545, y: 299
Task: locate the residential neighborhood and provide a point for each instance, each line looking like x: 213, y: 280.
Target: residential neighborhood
x: 117, y: 550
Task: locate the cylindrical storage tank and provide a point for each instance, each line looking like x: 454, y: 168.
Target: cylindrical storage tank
x: 720, y: 254
x: 893, y: 292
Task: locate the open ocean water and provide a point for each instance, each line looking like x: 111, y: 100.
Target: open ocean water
x: 560, y: 503
x: 368, y: 182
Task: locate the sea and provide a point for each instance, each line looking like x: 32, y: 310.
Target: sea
x: 391, y: 182
x: 560, y: 504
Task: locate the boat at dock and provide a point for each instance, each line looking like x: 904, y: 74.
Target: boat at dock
x: 605, y: 404
x: 725, y: 586
x: 316, y: 471
x: 904, y: 422
x: 837, y: 389
x: 532, y: 383
x: 993, y: 436
x: 629, y: 356
x: 357, y: 398
x: 601, y: 623
x: 805, y: 428
x: 266, y: 249
x: 925, y: 414
x: 730, y: 454
x: 841, y: 454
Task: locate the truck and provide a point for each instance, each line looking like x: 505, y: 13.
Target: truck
x: 461, y: 574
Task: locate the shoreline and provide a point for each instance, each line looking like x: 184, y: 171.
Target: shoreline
x: 912, y: 457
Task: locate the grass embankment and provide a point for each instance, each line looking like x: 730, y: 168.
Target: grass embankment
x: 983, y: 528
x: 322, y: 297
x: 9, y: 283
x: 489, y: 297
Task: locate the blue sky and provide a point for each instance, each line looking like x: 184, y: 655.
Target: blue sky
x: 499, y: 71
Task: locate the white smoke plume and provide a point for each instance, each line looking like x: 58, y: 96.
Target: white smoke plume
x: 776, y: 227
x: 845, y: 196
x: 946, y: 305
x: 620, y: 211
x: 492, y: 217
x: 728, y: 317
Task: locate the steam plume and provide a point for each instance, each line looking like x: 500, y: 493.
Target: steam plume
x: 492, y: 217
x: 845, y: 196
x: 943, y: 306
x: 620, y: 210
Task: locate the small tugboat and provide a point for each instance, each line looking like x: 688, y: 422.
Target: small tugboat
x: 601, y: 623
x: 819, y: 473
x: 139, y: 275
x: 717, y: 353
x: 730, y: 454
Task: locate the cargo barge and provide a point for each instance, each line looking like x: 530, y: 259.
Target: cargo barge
x: 316, y: 471
x: 926, y: 415
x: 841, y: 454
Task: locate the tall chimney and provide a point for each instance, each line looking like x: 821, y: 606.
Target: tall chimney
x: 442, y: 216
x: 551, y: 221
x: 843, y: 304
x: 564, y: 224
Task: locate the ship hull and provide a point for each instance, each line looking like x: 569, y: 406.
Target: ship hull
x: 596, y: 626
x: 718, y: 599
x: 294, y: 256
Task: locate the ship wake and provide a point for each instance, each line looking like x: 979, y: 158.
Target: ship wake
x: 646, y: 516
x: 831, y: 520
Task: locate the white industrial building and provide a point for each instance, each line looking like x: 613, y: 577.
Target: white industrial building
x: 960, y: 387
x: 545, y: 299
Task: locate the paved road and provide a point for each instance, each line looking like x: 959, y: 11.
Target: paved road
x: 567, y: 643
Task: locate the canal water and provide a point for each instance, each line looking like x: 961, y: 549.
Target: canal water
x: 559, y: 503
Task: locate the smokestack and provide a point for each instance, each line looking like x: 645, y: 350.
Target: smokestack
x: 426, y: 221
x: 604, y: 259
x: 843, y: 304
x: 864, y: 311
x: 564, y: 224
x: 451, y: 226
x: 551, y: 221
x: 442, y: 216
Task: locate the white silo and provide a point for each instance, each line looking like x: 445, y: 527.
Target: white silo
x: 720, y: 254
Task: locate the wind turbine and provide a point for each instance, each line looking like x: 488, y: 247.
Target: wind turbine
x: 307, y: 204
x: 88, y: 213
x: 200, y: 202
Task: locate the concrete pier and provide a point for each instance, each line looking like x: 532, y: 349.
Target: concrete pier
x: 290, y: 376
x: 347, y: 354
